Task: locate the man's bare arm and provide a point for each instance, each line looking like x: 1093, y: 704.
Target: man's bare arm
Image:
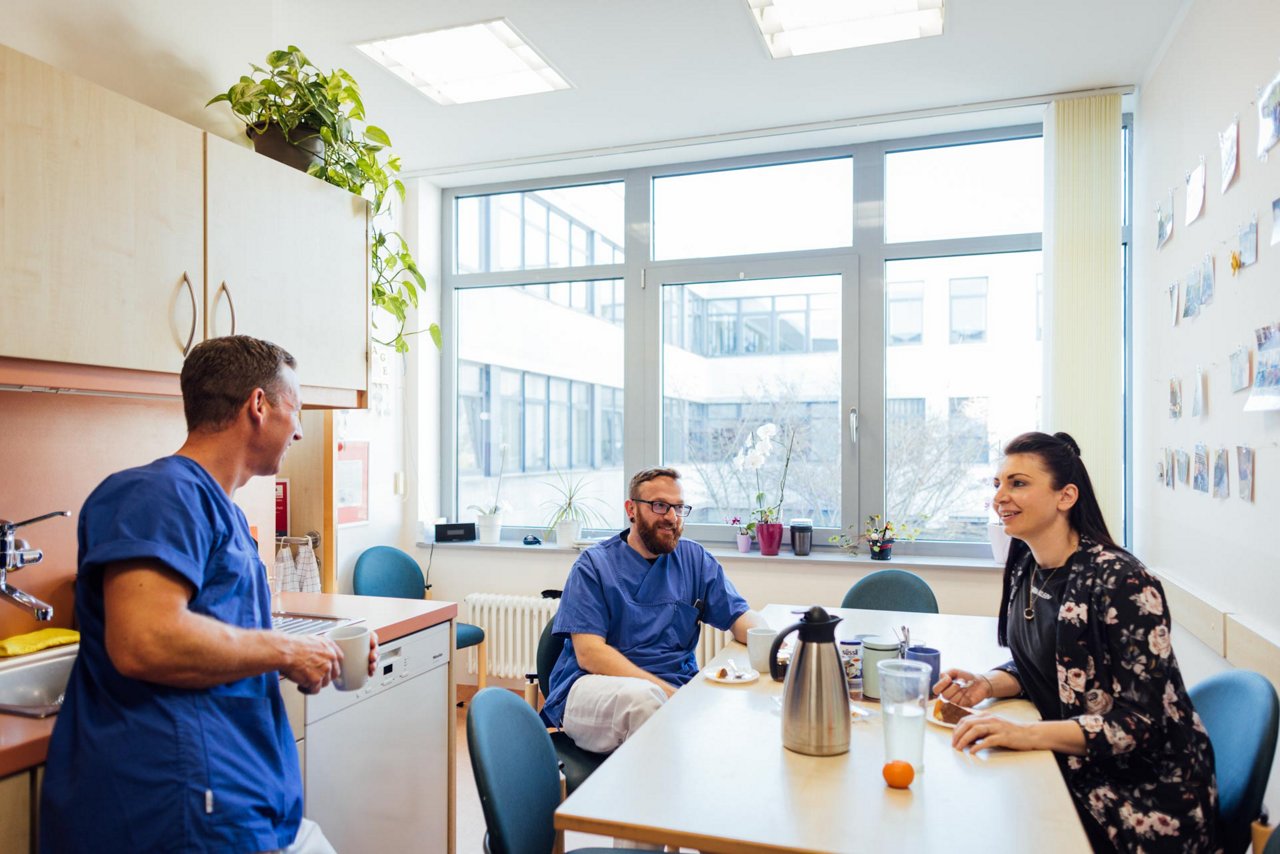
x: 748, y: 620
x: 596, y: 656
x: 152, y: 634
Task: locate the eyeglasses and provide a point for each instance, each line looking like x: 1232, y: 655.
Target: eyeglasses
x: 661, y: 507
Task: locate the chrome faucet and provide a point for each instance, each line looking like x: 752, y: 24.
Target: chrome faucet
x: 14, y: 555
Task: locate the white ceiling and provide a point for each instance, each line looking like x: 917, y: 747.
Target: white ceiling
x: 689, y: 77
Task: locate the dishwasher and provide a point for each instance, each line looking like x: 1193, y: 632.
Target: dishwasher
x: 376, y: 760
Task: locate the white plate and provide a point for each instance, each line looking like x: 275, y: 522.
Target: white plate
x: 746, y: 677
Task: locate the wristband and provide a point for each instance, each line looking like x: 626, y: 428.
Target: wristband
x: 990, y: 687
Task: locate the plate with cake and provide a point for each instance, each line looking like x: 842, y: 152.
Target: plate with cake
x: 731, y: 675
x: 947, y: 714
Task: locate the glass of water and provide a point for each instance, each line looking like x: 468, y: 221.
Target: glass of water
x: 904, y: 693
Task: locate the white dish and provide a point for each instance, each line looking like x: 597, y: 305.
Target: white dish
x: 742, y: 677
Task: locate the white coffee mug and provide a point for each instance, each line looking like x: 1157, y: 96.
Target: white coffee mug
x: 354, y: 643
x: 759, y: 641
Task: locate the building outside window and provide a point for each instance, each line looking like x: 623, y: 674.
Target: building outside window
x: 968, y: 310
x: 746, y: 299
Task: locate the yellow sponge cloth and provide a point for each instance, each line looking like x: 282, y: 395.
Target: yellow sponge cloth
x: 37, y: 640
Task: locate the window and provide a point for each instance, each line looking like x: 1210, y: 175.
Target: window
x: 762, y: 368
x: 745, y: 302
x: 780, y: 208
x: 532, y: 407
x: 968, y: 310
x: 560, y: 227
x: 968, y: 428
x: 957, y: 191
x: 906, y: 313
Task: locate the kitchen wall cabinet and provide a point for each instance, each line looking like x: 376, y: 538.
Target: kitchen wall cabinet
x: 288, y: 262
x: 102, y: 237
x: 128, y: 235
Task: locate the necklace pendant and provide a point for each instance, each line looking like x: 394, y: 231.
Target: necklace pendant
x: 1029, y: 613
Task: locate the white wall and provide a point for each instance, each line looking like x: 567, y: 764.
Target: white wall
x: 1218, y: 549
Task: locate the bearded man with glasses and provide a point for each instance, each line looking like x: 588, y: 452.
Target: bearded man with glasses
x: 630, y: 618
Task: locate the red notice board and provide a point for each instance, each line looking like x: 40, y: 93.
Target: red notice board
x: 351, y: 482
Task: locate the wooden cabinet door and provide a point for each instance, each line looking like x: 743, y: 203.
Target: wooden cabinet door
x: 288, y: 262
x: 101, y: 224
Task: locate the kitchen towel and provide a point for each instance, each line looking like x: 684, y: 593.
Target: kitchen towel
x: 37, y: 640
x: 286, y: 569
x: 308, y: 569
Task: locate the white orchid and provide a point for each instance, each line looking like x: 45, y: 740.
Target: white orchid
x: 767, y: 431
x: 755, y: 460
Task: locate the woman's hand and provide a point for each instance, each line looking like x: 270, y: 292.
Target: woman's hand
x: 982, y: 731
x: 963, y: 688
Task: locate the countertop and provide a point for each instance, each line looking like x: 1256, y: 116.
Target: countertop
x: 25, y: 741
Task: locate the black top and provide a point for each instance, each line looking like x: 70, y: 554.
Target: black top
x: 1033, y: 642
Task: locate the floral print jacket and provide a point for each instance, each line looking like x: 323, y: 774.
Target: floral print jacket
x: 1147, y: 774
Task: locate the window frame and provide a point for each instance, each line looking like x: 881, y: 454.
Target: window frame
x: 863, y: 323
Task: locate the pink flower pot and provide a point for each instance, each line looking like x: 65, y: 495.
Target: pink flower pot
x: 744, y: 543
x: 770, y: 534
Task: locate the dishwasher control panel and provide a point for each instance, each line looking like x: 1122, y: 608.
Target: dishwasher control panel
x: 398, y: 660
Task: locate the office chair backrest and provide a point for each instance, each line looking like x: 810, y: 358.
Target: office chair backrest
x: 549, y: 649
x: 516, y: 772
x: 892, y: 590
x: 1240, y: 710
x: 387, y: 571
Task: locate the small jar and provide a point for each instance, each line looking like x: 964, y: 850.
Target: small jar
x: 851, y: 658
x: 875, y: 650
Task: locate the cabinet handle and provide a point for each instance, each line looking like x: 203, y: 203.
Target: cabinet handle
x: 191, y: 291
x: 230, y: 302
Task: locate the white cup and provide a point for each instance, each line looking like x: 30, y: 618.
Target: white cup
x: 759, y: 642
x: 354, y: 643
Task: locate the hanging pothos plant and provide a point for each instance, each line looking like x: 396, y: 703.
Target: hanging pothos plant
x: 293, y: 97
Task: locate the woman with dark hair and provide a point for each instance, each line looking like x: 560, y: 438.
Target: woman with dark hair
x: 1089, y: 632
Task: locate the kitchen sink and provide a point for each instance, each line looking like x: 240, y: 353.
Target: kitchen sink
x: 33, y: 685
x: 296, y: 623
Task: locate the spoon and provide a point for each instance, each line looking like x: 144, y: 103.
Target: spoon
x: 733, y: 669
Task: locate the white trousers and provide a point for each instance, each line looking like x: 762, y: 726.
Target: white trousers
x: 310, y: 840
x: 601, y: 712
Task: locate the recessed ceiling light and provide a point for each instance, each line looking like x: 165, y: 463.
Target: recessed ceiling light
x: 797, y: 27
x: 476, y: 62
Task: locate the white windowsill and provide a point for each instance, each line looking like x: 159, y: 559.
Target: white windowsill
x: 821, y: 556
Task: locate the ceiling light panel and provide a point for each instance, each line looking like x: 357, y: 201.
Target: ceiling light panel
x: 460, y: 65
x: 798, y: 27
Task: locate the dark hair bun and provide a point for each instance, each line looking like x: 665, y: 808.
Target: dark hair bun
x: 1065, y: 438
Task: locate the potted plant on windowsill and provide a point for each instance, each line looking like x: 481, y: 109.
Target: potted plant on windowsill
x: 489, y: 516
x: 571, y: 509
x: 744, y: 534
x: 765, y: 518
x: 296, y: 113
x: 879, y: 534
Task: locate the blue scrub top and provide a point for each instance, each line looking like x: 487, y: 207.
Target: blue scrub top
x: 649, y: 613
x: 136, y: 766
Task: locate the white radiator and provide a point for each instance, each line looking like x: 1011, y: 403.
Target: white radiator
x: 710, y: 642
x: 512, y: 627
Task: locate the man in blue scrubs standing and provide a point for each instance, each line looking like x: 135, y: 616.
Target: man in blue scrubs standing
x: 173, y: 735
x: 630, y: 615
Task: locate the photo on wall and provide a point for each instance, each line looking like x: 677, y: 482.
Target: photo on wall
x: 1195, y: 193
x: 1164, y: 221
x: 1249, y: 243
x: 1240, y: 369
x: 1265, y: 396
x: 1244, y: 471
x: 1206, y: 279
x: 1191, y: 295
x: 1275, y: 222
x: 1175, y: 398
x: 1269, y: 117
x: 1184, y: 465
x: 1200, y: 475
x: 1229, y: 150
x: 1221, y: 480
x: 1168, y: 467
x: 1173, y: 304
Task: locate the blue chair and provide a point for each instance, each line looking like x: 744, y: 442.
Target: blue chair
x: 1240, y: 710
x: 516, y: 774
x: 892, y: 590
x: 576, y: 763
x: 387, y: 571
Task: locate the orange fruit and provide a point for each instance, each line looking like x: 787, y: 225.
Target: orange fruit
x: 898, y: 774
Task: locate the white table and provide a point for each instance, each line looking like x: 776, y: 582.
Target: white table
x: 709, y: 771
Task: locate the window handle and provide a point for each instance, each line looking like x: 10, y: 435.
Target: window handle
x: 853, y: 425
